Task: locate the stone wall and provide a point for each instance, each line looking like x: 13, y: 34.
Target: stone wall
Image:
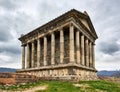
x: 68, y: 73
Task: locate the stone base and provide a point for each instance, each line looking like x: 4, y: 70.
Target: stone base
x: 72, y: 72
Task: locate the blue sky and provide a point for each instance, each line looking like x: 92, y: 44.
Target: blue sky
x: 22, y: 16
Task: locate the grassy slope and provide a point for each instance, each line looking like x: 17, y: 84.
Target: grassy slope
x: 83, y: 86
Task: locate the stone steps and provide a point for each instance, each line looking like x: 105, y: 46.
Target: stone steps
x: 16, y: 78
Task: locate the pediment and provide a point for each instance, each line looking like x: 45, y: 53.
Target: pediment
x: 84, y: 20
x: 85, y: 23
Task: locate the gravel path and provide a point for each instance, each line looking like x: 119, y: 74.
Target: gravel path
x: 30, y: 89
x: 35, y: 89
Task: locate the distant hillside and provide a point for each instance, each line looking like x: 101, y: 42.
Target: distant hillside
x: 108, y: 73
x: 116, y: 74
x: 7, y: 69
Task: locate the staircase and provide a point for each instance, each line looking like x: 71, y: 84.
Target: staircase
x: 16, y: 78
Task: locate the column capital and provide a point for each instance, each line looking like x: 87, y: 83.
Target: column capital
x: 23, y: 45
x: 61, y: 28
x: 71, y: 24
x: 52, y: 32
x: 32, y: 41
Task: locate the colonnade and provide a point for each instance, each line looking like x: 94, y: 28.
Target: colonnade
x: 83, y: 55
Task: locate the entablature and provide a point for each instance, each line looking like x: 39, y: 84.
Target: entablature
x: 73, y: 16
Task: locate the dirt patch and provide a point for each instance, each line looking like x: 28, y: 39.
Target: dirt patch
x: 7, y: 81
x: 97, y: 90
x: 86, y: 86
x: 43, y: 87
x: 112, y: 79
x: 82, y: 86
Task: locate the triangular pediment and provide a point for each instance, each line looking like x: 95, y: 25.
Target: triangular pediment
x: 85, y: 23
x: 84, y: 20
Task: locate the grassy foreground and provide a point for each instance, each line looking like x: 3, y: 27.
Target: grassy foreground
x: 57, y: 86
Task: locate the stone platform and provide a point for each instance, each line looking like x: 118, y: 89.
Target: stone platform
x: 66, y: 72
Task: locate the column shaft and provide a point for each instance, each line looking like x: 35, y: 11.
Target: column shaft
x: 33, y: 55
x: 61, y: 46
x: 93, y: 56
x: 87, y: 52
x: 90, y: 54
x: 28, y: 56
x: 38, y: 53
x: 52, y: 49
x: 45, y: 51
x: 82, y: 50
x: 23, y: 57
x: 78, y: 46
x: 72, y: 54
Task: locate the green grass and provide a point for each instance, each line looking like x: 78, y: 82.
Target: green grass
x: 57, y: 86
x: 19, y: 86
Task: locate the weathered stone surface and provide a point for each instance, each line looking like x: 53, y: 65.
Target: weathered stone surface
x: 64, y: 51
x: 16, y: 78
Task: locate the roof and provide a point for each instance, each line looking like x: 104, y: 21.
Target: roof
x: 72, y: 13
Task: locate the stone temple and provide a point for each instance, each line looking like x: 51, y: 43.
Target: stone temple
x: 62, y: 48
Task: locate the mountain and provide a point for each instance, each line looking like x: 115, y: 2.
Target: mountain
x: 2, y: 69
x: 114, y: 73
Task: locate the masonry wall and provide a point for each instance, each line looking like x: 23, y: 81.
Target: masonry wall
x: 72, y: 74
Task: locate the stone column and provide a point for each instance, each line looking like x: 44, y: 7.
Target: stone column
x: 23, y: 57
x: 45, y: 51
x: 33, y: 55
x: 93, y: 56
x: 78, y: 46
x: 87, y: 52
x: 71, y: 32
x: 83, y: 49
x: 61, y: 46
x: 28, y: 56
x: 52, y: 48
x: 90, y: 54
x: 38, y: 53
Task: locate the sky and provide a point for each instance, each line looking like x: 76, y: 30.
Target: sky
x: 22, y: 16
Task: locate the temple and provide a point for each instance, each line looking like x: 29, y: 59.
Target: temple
x: 62, y: 48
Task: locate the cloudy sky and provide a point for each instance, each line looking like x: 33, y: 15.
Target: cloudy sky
x: 22, y: 16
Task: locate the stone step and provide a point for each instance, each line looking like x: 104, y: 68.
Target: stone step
x: 16, y: 78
